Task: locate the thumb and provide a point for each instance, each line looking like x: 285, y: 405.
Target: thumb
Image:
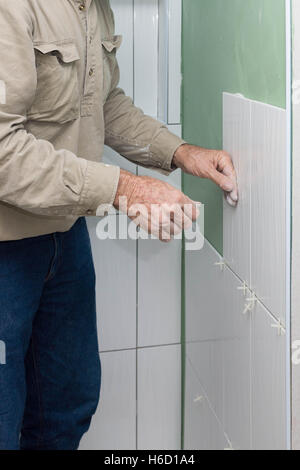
x: 222, y: 180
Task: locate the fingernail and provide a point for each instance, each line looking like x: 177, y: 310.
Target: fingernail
x: 229, y: 187
x: 230, y: 201
x: 234, y: 195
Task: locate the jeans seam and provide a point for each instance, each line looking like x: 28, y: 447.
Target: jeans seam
x: 51, y: 273
x: 39, y: 395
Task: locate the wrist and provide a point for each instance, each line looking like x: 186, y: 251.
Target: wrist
x: 127, y: 182
x: 180, y: 156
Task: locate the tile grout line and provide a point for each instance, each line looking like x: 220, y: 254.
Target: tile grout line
x: 139, y: 348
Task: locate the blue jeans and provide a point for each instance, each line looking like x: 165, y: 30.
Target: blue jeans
x: 50, y: 379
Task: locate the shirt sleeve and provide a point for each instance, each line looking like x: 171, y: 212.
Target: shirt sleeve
x: 34, y: 176
x: 135, y: 136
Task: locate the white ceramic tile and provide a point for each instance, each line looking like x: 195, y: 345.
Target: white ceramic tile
x: 204, y: 284
x: 123, y: 11
x: 268, y: 384
x: 174, y: 178
x: 204, y: 322
x: 159, y: 292
x: 163, y: 59
x: 114, y: 425
x: 115, y: 263
x: 237, y: 141
x: 295, y: 276
x: 159, y: 398
x: 174, y: 73
x: 218, y: 347
x: 160, y: 267
x: 236, y: 364
x: 206, y: 360
x: 268, y: 186
x: 202, y: 429
x: 146, y: 55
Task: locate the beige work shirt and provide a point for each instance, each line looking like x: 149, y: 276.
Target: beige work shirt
x: 59, y: 104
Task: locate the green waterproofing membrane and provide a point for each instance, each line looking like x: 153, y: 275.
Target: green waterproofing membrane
x: 236, y: 46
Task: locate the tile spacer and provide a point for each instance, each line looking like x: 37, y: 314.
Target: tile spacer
x: 280, y: 328
x: 199, y: 399
x: 249, y: 306
x: 243, y: 288
x: 221, y: 264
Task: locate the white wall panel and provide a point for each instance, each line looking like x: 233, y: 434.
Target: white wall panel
x: 115, y: 263
x: 159, y: 292
x: 268, y: 383
x: 146, y: 55
x: 203, y: 430
x: 206, y: 360
x: 218, y: 347
x: 163, y: 59
x: 174, y: 72
x: 254, y: 232
x: 236, y: 361
x: 295, y: 298
x: 114, y: 425
x: 160, y: 268
x: 204, y: 330
x: 237, y: 141
x: 268, y: 182
x: 159, y: 398
x: 123, y: 11
x: 204, y: 280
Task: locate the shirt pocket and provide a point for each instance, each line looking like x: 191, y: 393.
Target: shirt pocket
x: 57, y: 97
x: 109, y: 50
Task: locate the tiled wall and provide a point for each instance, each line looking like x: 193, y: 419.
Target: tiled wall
x: 236, y: 46
x: 139, y: 282
x: 296, y: 231
x: 236, y: 310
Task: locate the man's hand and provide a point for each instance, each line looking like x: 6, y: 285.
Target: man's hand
x: 157, y: 207
x: 215, y: 165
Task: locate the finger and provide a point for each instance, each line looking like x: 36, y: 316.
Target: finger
x: 229, y: 200
x: 191, y: 209
x: 166, y: 234
x: 226, y: 167
x: 223, y: 181
x: 234, y: 196
x: 172, y: 223
x: 180, y: 219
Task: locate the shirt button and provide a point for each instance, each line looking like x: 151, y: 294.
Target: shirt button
x: 91, y: 72
x: 82, y: 7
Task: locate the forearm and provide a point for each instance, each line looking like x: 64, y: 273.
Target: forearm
x: 138, y: 137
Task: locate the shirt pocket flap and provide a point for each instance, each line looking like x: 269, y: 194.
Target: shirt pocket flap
x: 67, y: 52
x: 112, y: 43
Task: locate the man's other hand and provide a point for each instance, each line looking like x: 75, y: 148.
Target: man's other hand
x: 157, y: 207
x: 215, y: 165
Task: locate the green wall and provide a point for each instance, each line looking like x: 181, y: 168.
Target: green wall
x: 236, y: 46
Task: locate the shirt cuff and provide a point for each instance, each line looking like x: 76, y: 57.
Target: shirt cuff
x: 163, y: 149
x: 100, y: 187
